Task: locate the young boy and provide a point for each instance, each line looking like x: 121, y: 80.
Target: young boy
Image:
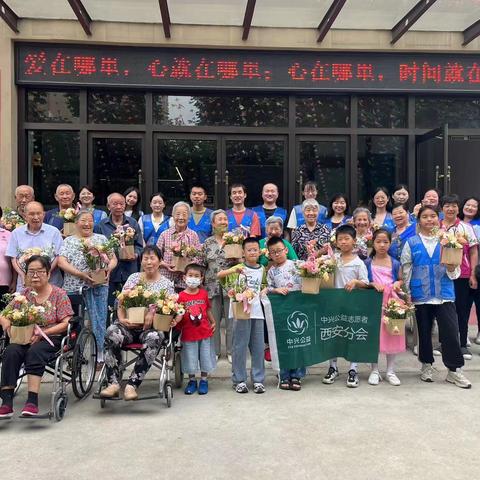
x: 197, y: 327
x: 350, y: 273
x: 248, y: 333
x: 283, y: 278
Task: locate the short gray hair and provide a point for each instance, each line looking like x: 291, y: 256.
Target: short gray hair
x: 81, y: 213
x: 215, y: 213
x: 360, y: 210
x: 274, y: 219
x: 182, y: 204
x: 310, y: 202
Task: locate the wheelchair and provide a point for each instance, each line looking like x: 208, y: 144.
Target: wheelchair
x: 75, y: 363
x: 167, y: 361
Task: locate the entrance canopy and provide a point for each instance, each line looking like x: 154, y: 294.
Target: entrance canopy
x: 397, y: 16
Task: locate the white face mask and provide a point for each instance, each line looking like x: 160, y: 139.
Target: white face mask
x: 193, y: 282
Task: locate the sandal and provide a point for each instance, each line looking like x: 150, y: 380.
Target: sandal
x: 295, y: 384
x: 284, y: 385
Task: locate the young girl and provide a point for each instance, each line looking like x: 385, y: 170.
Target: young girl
x: 384, y: 276
x: 337, y: 211
x: 380, y: 209
x: 362, y: 221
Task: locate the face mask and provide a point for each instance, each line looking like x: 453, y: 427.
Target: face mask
x: 218, y: 230
x: 193, y: 282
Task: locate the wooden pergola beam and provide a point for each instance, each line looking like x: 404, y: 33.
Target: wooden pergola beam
x: 247, y: 19
x: 9, y: 16
x: 471, y: 33
x: 402, y: 27
x: 165, y: 17
x: 82, y: 15
x: 327, y: 21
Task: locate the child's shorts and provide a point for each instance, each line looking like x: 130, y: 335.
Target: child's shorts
x: 200, y: 352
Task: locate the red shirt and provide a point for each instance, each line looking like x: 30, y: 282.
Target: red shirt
x: 195, y: 325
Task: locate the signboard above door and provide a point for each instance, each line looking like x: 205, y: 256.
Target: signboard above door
x: 103, y: 65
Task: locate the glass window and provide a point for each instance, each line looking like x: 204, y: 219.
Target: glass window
x: 382, y: 112
x: 382, y: 162
x: 322, y: 111
x: 61, y: 107
x: 54, y: 158
x: 458, y: 112
x: 183, y: 163
x: 181, y: 110
x: 116, y: 108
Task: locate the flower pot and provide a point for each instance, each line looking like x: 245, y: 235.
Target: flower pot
x: 452, y: 256
x: 310, y: 285
x: 395, y: 326
x: 180, y: 263
x: 233, y: 250
x: 68, y: 229
x: 162, y: 322
x: 238, y: 311
x: 330, y: 283
x: 136, y: 315
x: 127, y: 252
x: 21, y: 335
x: 99, y: 277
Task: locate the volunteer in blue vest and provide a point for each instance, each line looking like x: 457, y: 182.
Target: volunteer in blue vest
x: 269, y: 207
x: 200, y: 220
x: 296, y: 215
x: 430, y: 285
x: 86, y: 198
x: 239, y: 216
x: 65, y: 196
x: 153, y: 224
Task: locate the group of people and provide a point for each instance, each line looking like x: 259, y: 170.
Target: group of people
x: 386, y: 246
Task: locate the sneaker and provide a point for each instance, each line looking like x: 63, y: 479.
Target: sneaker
x: 229, y: 358
x: 458, y: 378
x: 258, y: 388
x: 469, y: 343
x: 241, y: 387
x: 437, y: 352
x: 191, y: 387
x: 392, y: 379
x: 111, y: 391
x: 331, y: 375
x: 268, y: 355
x: 427, y: 373
x: 6, y: 411
x: 477, y: 339
x: 467, y: 354
x: 130, y: 393
x: 352, y: 379
x: 30, y: 410
x: 375, y: 378
x: 203, y: 387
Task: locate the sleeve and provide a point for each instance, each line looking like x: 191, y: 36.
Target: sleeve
x: 64, y: 248
x: 161, y: 242
x: 131, y: 282
x: 170, y: 288
x: 363, y: 273
x: 291, y: 254
x: 264, y: 278
x: 12, y: 246
x: 207, y: 300
x: 255, y: 230
x: 103, y: 215
x: 406, y: 262
x: 295, y: 235
x: 97, y: 228
x: 292, y: 220
x: 63, y: 306
x: 140, y: 224
x: 270, y: 279
x: 472, y: 238
x: 57, y: 242
x: 324, y: 235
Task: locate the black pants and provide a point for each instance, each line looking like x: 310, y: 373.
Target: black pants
x: 464, y: 297
x: 33, y: 357
x: 446, y: 317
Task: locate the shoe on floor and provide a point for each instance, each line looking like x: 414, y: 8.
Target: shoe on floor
x: 130, y: 393
x: 30, y: 410
x: 241, y: 387
x: 477, y: 339
x: 229, y: 358
x: 267, y: 355
x: 437, y: 352
x: 458, y: 378
x: 331, y: 375
x: 352, y: 379
x: 467, y: 354
x: 111, y: 391
x: 392, y: 379
x: 375, y: 378
x: 6, y: 411
x: 258, y: 388
x: 191, y: 387
x: 427, y: 373
x: 203, y: 387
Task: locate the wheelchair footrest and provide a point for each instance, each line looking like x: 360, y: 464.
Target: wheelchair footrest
x: 40, y: 416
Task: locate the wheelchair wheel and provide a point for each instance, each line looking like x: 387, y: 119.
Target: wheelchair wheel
x: 84, y: 363
x: 168, y: 394
x: 178, y: 370
x: 60, y: 405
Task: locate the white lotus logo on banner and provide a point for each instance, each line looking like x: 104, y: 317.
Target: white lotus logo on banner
x: 297, y: 322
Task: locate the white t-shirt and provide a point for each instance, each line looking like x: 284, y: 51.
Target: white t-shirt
x: 353, y: 270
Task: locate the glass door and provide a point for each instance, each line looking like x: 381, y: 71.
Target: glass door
x: 463, y: 165
x: 115, y: 163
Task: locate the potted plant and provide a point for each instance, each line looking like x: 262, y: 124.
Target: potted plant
x: 326, y: 266
x: 241, y: 297
x: 166, y: 307
x: 69, y: 215
x: 136, y: 303
x: 452, y: 247
x: 125, y: 236
x: 183, y: 255
x: 233, y: 244
x: 395, y: 313
x: 11, y: 219
x: 97, y: 257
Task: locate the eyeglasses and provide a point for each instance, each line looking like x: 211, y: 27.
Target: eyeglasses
x: 277, y: 252
x: 36, y: 273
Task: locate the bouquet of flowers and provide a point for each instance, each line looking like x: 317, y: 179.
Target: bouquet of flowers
x: 395, y: 314
x: 233, y: 244
x: 24, y: 317
x: 24, y: 255
x: 69, y: 215
x: 183, y: 254
x: 97, y: 256
x: 326, y: 267
x: 125, y: 236
x: 166, y: 306
x: 452, y: 246
x: 241, y: 297
x: 11, y: 219
x: 136, y: 302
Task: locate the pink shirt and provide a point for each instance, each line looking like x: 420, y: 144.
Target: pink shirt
x: 5, y: 263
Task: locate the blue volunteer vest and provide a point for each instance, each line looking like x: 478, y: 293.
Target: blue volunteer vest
x: 429, y: 278
x: 204, y: 227
x: 328, y: 221
x: 246, y: 220
x: 98, y: 215
x: 279, y: 212
x: 149, y: 234
x: 322, y: 214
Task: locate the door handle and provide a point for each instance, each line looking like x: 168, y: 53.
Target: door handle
x: 140, y: 179
x: 438, y: 175
x: 300, y: 185
x: 226, y: 187
x: 449, y: 177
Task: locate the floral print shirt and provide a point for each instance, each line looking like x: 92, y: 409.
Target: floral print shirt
x: 161, y: 284
x: 284, y: 276
x: 214, y: 258
x: 301, y: 236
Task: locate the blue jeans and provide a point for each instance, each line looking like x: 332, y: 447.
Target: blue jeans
x: 248, y: 334
x: 288, y: 374
x: 96, y: 303
x: 200, y: 352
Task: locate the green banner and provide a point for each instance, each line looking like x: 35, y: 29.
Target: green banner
x: 310, y: 329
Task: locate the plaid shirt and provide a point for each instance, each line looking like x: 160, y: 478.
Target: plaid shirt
x: 165, y: 243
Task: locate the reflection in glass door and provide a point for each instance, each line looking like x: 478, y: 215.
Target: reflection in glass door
x: 115, y: 164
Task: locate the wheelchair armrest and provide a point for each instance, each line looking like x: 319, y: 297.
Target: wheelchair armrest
x: 74, y: 321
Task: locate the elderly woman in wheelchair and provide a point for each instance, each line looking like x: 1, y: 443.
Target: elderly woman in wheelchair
x: 123, y: 333
x: 45, y: 342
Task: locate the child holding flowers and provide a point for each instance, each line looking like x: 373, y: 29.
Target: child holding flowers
x: 197, y: 327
